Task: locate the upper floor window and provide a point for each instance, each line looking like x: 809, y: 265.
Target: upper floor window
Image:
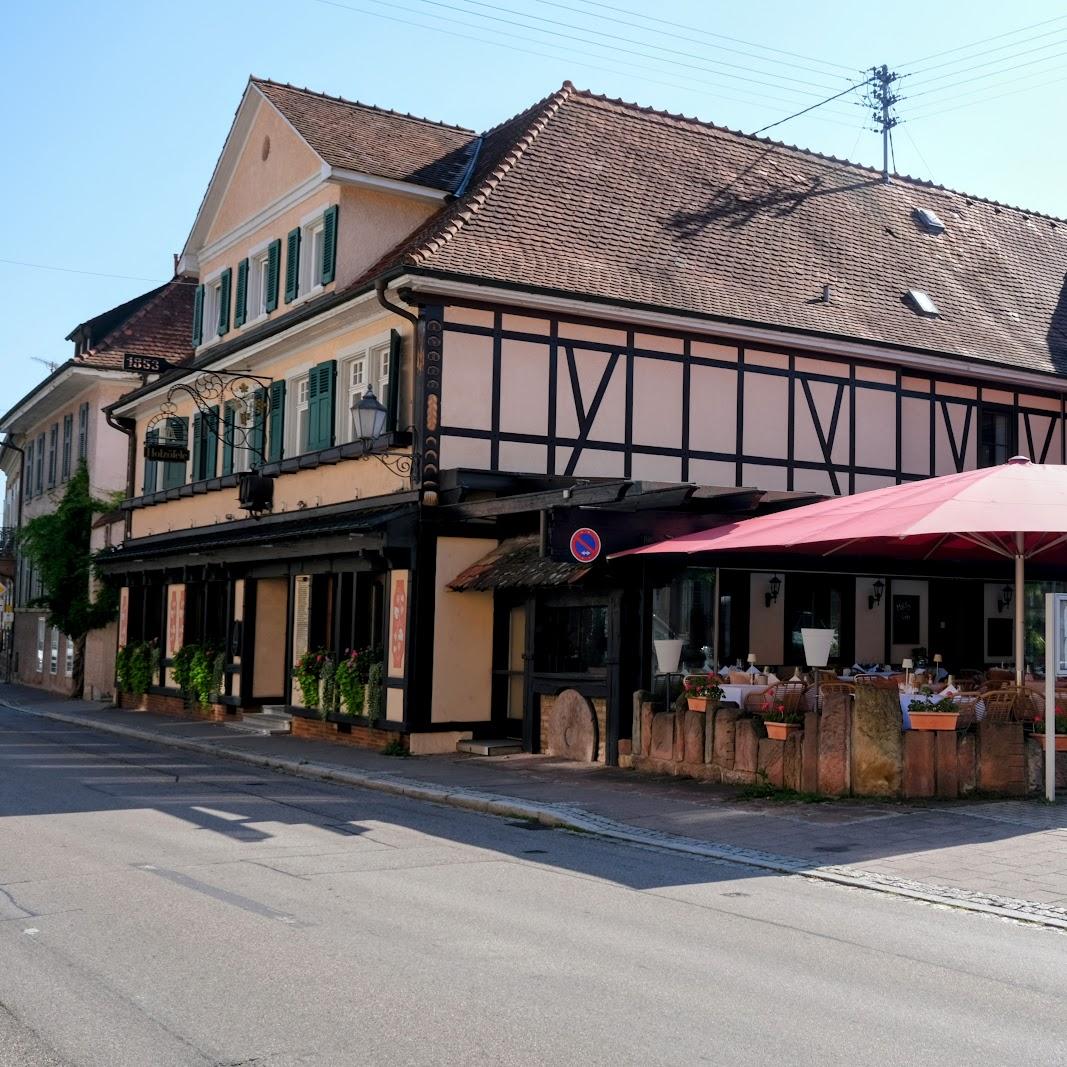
x: 39, y: 472
x: 53, y: 452
x: 311, y: 244
x: 68, y: 446
x: 996, y: 443
x: 83, y: 431
x: 365, y: 370
x: 299, y: 432
x: 311, y: 255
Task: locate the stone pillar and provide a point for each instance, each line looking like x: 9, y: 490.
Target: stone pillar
x: 770, y: 760
x: 1001, y: 758
x: 920, y: 777
x: 724, y: 739
x: 877, y: 747
x: 695, y: 727
x: 834, y: 744
x: 809, y: 754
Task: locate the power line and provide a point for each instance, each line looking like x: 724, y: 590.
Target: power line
x: 995, y: 84
x: 983, y: 100
x: 829, y: 99
x: 990, y: 51
x: 481, y: 40
x: 703, y: 65
x: 687, y: 36
x: 73, y: 270
x: 718, y: 36
x: 918, y: 150
x: 984, y: 40
x: 980, y: 77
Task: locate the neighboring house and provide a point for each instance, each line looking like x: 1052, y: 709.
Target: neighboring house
x: 58, y: 424
x: 593, y: 316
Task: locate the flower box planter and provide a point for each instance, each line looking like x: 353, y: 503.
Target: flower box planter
x: 934, y: 720
x: 779, y: 731
x: 702, y: 704
x: 1061, y: 741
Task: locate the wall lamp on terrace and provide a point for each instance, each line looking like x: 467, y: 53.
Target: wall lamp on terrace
x: 369, y: 418
x: 774, y: 587
x: 1004, y: 601
x: 875, y: 597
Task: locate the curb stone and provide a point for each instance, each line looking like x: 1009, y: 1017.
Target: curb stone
x: 570, y: 817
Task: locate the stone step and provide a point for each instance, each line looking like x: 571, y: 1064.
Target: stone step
x: 491, y: 747
x: 273, y: 719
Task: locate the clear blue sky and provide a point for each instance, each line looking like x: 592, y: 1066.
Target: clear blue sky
x: 117, y: 111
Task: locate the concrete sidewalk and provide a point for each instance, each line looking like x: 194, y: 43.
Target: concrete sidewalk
x: 1002, y: 857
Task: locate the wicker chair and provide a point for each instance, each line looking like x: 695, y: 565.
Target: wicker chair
x: 875, y: 680
x: 814, y: 699
x: 1008, y: 704
x: 789, y: 694
x: 739, y: 678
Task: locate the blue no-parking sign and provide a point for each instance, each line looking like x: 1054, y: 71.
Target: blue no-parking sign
x: 585, y: 545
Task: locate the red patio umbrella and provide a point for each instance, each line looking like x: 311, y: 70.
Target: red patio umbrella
x: 1017, y: 511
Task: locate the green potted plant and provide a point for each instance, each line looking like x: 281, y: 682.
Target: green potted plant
x: 308, y: 672
x: 926, y: 713
x: 1060, y: 743
x: 701, y: 692
x: 781, y: 720
x: 351, y: 676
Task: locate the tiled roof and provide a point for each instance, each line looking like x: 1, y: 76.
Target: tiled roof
x: 374, y: 141
x: 517, y: 563
x: 607, y: 200
x: 160, y: 325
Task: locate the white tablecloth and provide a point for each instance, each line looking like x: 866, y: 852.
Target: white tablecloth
x: 737, y: 693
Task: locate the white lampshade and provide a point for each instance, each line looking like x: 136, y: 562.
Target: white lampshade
x: 752, y: 657
x: 368, y: 417
x: 938, y: 658
x: 907, y: 664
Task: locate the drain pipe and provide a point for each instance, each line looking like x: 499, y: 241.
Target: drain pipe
x: 129, y: 428
x: 381, y: 290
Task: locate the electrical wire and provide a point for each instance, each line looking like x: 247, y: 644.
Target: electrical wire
x: 829, y: 99
x: 983, y: 100
x: 72, y: 270
x: 918, y: 150
x: 547, y: 55
x: 990, y: 51
x: 687, y: 36
x: 996, y: 84
x: 673, y: 52
x: 893, y: 151
x: 984, y: 40
x: 709, y: 33
x: 980, y: 77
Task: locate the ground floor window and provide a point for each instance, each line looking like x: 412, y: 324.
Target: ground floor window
x: 684, y: 609
x: 53, y: 660
x: 69, y: 667
x: 571, y: 638
x: 42, y: 626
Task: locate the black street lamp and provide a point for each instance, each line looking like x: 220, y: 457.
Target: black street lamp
x: 369, y: 417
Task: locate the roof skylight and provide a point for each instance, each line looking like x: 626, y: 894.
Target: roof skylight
x: 929, y: 220
x: 923, y: 302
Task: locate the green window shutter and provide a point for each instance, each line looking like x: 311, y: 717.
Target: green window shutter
x: 292, y: 265
x: 198, y: 433
x: 276, y: 436
x: 321, y: 405
x: 27, y: 478
x: 228, y: 419
x: 151, y: 467
x: 225, y: 286
x: 209, y: 446
x: 198, y: 316
x: 392, y: 401
x: 274, y: 261
x: 83, y: 431
x: 68, y: 446
x: 240, y: 312
x: 177, y: 434
x: 255, y: 434
x: 329, y: 245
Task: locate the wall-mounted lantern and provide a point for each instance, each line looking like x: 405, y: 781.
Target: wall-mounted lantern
x: 774, y: 587
x: 369, y: 417
x: 875, y: 597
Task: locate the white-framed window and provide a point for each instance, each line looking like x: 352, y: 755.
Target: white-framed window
x: 53, y: 659
x: 41, y: 627
x: 368, y: 367
x: 212, y: 298
x: 298, y: 418
x: 311, y: 241
x: 68, y: 668
x: 257, y: 286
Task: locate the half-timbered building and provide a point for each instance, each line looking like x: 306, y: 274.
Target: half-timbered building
x: 593, y: 317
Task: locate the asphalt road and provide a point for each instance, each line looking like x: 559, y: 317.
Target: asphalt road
x: 158, y: 909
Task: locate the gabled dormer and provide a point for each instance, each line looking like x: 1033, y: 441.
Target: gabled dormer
x: 308, y: 193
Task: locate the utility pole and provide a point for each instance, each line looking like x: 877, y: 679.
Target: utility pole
x: 880, y: 99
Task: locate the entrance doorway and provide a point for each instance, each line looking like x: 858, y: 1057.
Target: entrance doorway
x: 957, y: 612
x: 820, y: 600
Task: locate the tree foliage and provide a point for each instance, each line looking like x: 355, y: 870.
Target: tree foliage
x: 58, y: 546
